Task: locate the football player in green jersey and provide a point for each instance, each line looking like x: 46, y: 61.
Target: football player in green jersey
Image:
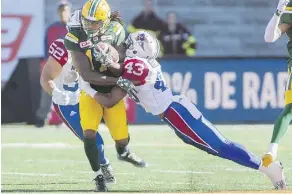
x: 93, y: 24
x: 280, y: 23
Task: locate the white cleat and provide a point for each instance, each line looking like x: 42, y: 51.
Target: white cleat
x: 275, y: 173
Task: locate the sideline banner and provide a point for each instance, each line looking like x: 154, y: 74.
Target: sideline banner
x: 227, y: 90
x: 22, y: 33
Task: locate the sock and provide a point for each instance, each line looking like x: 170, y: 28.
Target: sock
x: 282, y: 123
x: 122, y: 151
x: 102, y: 158
x: 239, y: 154
x: 92, y: 153
x: 273, y: 148
x: 105, y: 162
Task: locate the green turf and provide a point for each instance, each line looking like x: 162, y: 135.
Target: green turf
x: 173, y: 166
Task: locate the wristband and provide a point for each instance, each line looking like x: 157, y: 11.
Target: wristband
x: 91, y: 93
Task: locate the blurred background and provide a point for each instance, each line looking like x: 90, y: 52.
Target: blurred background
x: 212, y: 51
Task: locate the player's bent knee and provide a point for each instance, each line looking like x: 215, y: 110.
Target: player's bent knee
x: 89, y: 134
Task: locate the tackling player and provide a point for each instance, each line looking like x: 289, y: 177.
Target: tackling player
x: 281, y: 23
x: 60, y: 80
x: 93, y: 24
x: 178, y: 112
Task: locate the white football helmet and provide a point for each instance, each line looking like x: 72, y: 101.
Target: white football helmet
x: 142, y: 44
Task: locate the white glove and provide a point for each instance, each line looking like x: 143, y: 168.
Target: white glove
x: 281, y: 6
x: 62, y: 97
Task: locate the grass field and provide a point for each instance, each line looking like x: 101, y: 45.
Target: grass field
x: 52, y: 160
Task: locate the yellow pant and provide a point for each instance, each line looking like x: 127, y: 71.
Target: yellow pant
x: 92, y: 112
x: 288, y: 89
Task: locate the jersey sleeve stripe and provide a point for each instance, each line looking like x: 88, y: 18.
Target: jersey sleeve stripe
x: 68, y: 37
x: 71, y: 39
x: 119, y: 29
x: 72, y: 36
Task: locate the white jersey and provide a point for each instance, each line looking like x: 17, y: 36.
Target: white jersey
x: 153, y: 93
x: 67, y: 80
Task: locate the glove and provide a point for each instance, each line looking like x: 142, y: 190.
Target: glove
x: 62, y: 97
x: 125, y: 84
x: 281, y: 7
x: 133, y: 95
x: 103, y: 56
x: 129, y: 87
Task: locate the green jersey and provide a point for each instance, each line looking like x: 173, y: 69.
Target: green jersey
x: 77, y: 40
x: 286, y: 18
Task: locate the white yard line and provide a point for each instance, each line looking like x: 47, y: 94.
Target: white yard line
x: 56, y: 161
x: 59, y: 145
x: 39, y: 145
x: 182, y: 172
x: 239, y: 169
x: 29, y: 174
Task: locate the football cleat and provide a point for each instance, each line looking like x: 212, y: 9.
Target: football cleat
x: 275, y: 173
x: 267, y: 159
x: 108, y: 173
x: 100, y: 184
x: 133, y: 159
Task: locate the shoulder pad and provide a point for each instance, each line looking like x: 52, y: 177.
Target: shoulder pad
x: 75, y: 20
x: 115, y: 27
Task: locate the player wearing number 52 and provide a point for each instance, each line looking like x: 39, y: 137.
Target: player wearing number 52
x: 60, y: 80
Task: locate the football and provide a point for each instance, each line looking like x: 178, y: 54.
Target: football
x: 108, y: 49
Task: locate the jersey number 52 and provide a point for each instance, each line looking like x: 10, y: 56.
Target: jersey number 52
x: 56, y: 51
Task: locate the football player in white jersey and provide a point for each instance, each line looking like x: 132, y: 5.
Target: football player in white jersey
x: 189, y: 124
x: 60, y: 80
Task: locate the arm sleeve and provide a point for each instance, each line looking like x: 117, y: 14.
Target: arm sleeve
x: 58, y: 51
x: 272, y: 32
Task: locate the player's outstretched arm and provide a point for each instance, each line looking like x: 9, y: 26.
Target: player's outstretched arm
x: 51, y: 70
x: 83, y: 66
x: 110, y: 100
x: 106, y: 100
x: 274, y: 30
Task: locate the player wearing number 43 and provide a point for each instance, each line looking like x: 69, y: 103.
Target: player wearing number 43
x: 60, y: 80
x: 148, y: 88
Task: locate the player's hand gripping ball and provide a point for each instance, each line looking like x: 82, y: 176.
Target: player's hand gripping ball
x: 106, y: 54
